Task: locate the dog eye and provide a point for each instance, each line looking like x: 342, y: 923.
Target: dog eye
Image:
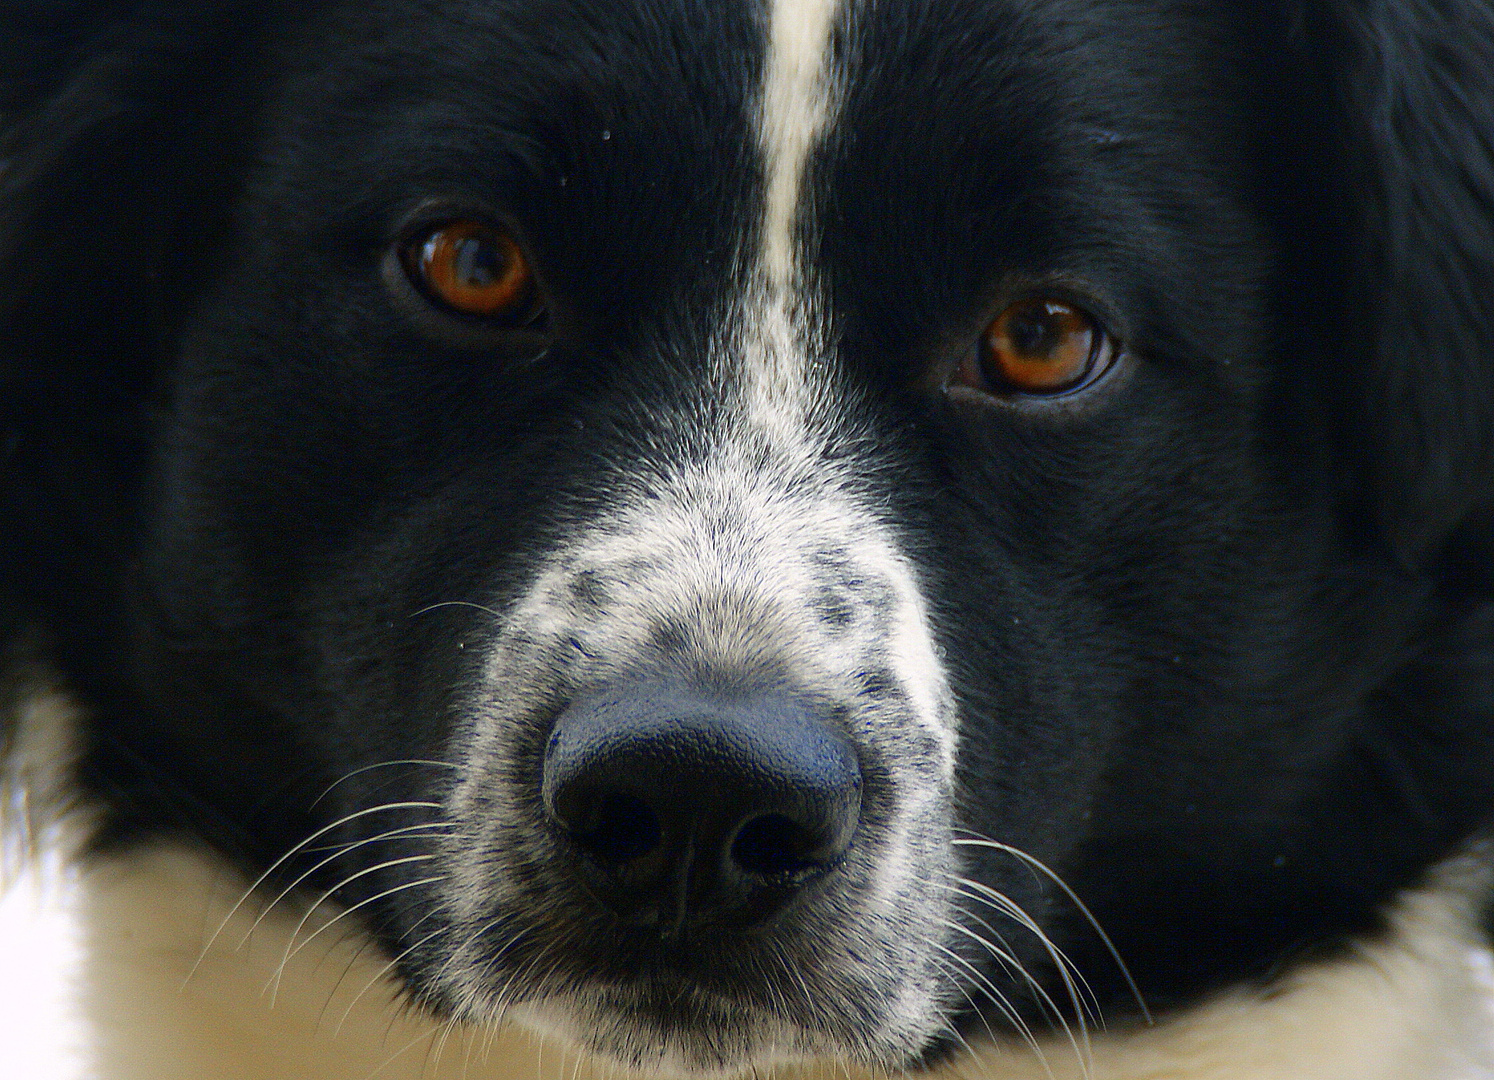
x: 473, y: 268
x: 1038, y: 347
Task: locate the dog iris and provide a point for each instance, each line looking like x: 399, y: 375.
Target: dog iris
x: 473, y: 268
x: 1038, y: 346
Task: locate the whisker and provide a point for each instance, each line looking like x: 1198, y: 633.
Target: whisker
x: 1041, y: 867
x: 557, y: 945
x: 383, y: 971
x: 1008, y: 958
x: 365, y: 943
x: 1000, y: 1000
x: 1080, y: 994
x: 438, y: 1045
x: 500, y: 1000
x: 786, y: 964
x: 455, y: 603
x: 202, y: 954
x: 479, y: 932
x: 948, y: 1023
x: 291, y: 948
x: 1082, y: 1050
x: 343, y: 847
x: 390, y: 1060
x: 274, y: 985
x: 1006, y: 953
x: 380, y: 765
x: 337, y: 854
x: 492, y: 1027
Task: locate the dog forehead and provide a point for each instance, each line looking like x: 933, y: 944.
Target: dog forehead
x: 690, y: 128
x: 880, y: 166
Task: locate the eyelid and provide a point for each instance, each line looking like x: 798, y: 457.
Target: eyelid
x: 1071, y: 288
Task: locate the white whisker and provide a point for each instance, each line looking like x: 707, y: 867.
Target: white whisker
x: 486, y: 928
x: 274, y: 985
x: 1083, y: 999
x: 390, y: 1060
x: 455, y: 603
x: 406, y: 830
x: 1080, y: 995
x: 366, y: 942
x: 379, y: 765
x: 438, y: 1045
x: 960, y: 988
x: 323, y: 831
x: 383, y: 971
x: 1081, y: 1045
x: 1000, y: 1000
x: 292, y: 948
x: 1037, y: 864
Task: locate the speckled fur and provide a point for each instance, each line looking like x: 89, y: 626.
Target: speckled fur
x: 1169, y: 694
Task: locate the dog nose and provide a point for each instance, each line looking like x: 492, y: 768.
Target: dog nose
x: 686, y: 810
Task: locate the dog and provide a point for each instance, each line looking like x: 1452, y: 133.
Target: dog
x: 699, y: 538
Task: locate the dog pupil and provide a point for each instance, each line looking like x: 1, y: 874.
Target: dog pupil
x: 1030, y: 335
x: 478, y: 262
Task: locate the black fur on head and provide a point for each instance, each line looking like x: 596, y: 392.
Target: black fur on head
x: 1210, y: 640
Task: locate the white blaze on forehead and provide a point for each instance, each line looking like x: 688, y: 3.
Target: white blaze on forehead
x: 794, y: 109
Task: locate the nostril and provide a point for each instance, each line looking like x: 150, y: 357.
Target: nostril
x: 616, y: 828
x: 773, y: 846
x: 685, y: 809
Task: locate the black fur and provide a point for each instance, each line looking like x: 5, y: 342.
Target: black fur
x: 1220, y: 635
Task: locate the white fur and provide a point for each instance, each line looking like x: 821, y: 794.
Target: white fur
x: 1413, y: 1009
x: 43, y: 1035
x: 172, y: 985
x: 773, y: 368
x: 794, y: 107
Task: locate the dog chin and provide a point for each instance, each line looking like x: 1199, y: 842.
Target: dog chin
x: 720, y: 1042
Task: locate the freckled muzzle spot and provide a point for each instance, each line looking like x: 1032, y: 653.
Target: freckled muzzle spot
x: 835, y: 611
x: 589, y: 589
x: 661, y: 842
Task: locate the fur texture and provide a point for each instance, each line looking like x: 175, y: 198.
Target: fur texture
x: 1169, y: 694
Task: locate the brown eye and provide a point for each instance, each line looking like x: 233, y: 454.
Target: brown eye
x: 473, y: 268
x: 1038, y: 347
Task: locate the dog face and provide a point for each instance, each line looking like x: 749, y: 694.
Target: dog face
x: 742, y: 533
